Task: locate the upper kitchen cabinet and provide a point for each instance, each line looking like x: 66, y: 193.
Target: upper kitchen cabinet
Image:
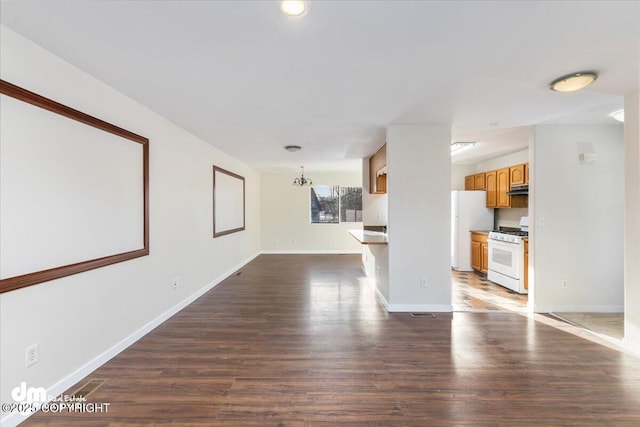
x: 469, y: 183
x: 378, y: 171
x: 491, y: 186
x: 475, y: 182
x: 504, y: 186
x: 498, y: 185
x: 518, y: 175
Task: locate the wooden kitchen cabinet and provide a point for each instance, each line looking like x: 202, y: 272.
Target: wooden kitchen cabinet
x: 526, y: 264
x: 491, y: 187
x: 479, y: 252
x: 485, y: 257
x: 475, y: 182
x: 498, y: 183
x: 469, y: 183
x: 503, y: 186
x: 476, y: 255
x: 517, y: 174
x: 381, y: 183
x: 377, y: 171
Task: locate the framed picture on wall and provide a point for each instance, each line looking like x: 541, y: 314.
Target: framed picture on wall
x: 228, y: 202
x: 74, y: 191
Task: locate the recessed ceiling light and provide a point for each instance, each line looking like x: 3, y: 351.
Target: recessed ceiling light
x: 294, y: 8
x: 618, y: 115
x: 573, y: 82
x: 292, y: 148
x: 457, y: 147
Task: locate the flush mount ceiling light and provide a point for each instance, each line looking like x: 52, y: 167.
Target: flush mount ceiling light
x: 292, y: 148
x: 457, y: 147
x: 618, y: 115
x: 302, y: 181
x: 294, y: 8
x: 573, y: 82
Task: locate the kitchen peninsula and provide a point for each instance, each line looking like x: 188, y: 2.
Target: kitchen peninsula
x: 367, y: 237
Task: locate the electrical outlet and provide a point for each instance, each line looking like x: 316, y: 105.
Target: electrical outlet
x: 564, y: 284
x: 377, y: 271
x: 31, y: 355
x: 423, y: 282
x: 175, y: 283
x: 541, y: 221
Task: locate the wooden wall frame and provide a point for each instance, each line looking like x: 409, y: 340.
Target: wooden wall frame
x: 32, y: 278
x: 226, y: 213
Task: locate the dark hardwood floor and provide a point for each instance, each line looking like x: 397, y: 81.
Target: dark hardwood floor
x: 299, y: 340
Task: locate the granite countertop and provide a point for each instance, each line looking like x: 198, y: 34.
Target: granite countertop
x: 367, y: 237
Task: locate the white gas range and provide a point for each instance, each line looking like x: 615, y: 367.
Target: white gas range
x: 506, y: 257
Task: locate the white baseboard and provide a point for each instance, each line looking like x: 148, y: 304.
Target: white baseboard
x: 310, y: 252
x: 420, y: 308
x: 578, y: 309
x: 15, y: 418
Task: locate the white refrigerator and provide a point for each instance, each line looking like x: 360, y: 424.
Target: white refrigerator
x: 468, y: 212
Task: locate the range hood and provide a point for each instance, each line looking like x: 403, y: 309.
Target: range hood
x: 519, y: 190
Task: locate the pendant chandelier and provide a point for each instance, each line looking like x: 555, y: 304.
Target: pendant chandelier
x: 302, y: 181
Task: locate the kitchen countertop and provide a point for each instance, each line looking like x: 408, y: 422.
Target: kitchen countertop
x: 480, y: 231
x: 367, y: 237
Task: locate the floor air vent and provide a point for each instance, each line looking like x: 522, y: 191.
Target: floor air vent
x: 88, y: 388
x: 429, y: 315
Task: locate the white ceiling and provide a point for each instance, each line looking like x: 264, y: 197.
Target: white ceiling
x: 248, y: 80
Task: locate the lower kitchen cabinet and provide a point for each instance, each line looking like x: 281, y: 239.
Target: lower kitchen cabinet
x: 485, y: 257
x: 479, y: 252
x: 526, y: 264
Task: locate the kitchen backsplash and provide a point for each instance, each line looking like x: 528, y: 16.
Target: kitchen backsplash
x: 509, y: 217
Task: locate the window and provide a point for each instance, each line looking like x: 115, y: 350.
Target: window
x: 331, y: 204
x: 324, y: 204
x: 351, y: 204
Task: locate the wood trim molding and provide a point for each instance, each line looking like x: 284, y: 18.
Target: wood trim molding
x: 17, y: 282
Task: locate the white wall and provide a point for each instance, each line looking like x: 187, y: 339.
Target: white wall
x: 286, y: 218
x: 632, y: 221
x: 419, y: 180
x: 80, y: 320
x: 503, y: 161
x: 458, y: 173
x: 578, y: 211
x: 509, y: 217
